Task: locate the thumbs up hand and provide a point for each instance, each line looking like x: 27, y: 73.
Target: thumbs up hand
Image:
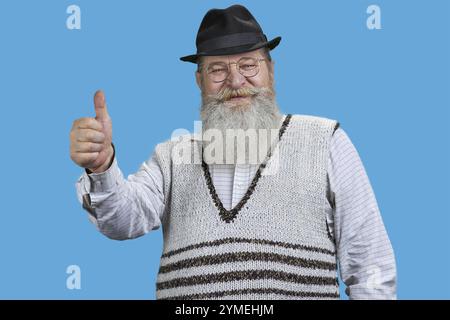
x: 90, y: 138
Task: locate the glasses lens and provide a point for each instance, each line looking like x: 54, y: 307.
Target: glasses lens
x: 248, y: 67
x: 217, y: 71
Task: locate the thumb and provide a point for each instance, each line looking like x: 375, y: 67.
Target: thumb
x: 101, y: 112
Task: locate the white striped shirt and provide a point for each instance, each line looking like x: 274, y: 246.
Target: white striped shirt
x: 364, y: 252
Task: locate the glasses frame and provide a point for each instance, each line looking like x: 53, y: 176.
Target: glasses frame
x: 258, y: 60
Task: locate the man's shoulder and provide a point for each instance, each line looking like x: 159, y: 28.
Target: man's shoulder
x: 302, y: 120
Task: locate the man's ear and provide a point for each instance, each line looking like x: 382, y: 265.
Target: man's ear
x: 198, y: 79
x: 272, y: 72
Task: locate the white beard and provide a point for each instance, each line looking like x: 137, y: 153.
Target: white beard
x: 255, y: 124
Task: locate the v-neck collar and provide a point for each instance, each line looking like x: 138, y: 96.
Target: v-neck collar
x: 229, y: 215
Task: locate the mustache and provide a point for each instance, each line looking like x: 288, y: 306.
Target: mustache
x: 228, y: 93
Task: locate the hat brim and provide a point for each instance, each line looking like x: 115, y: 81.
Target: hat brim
x: 233, y: 50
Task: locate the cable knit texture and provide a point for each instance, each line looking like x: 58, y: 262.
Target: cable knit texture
x: 276, y: 246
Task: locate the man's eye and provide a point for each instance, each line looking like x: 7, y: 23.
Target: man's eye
x: 218, y: 70
x: 248, y: 66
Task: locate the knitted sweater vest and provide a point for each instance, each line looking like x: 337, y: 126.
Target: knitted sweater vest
x: 273, y: 245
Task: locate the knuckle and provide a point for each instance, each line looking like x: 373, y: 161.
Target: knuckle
x: 86, y: 122
x: 73, y: 147
x: 86, y: 159
x: 75, y: 158
x: 91, y: 123
x: 93, y: 147
x: 82, y: 121
x: 87, y: 147
x: 92, y: 157
x: 90, y: 136
x: 74, y: 134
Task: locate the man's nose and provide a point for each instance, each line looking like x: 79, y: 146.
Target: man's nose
x: 235, y: 80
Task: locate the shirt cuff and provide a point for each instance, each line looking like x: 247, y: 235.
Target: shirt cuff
x: 104, y: 181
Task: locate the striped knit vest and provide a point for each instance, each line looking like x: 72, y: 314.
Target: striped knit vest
x: 273, y: 245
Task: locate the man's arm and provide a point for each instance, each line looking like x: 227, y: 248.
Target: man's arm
x: 365, y: 254
x: 123, y: 208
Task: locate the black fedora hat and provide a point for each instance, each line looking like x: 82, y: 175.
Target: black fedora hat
x: 229, y: 31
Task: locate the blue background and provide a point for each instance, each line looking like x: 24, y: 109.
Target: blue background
x: 389, y: 88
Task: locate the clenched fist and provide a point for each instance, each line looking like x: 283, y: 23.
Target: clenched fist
x: 90, y: 138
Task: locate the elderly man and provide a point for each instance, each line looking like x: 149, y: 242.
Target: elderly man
x: 272, y: 228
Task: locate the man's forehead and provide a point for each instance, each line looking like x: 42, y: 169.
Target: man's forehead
x: 234, y: 57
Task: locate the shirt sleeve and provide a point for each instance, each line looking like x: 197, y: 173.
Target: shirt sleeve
x: 123, y: 208
x: 366, y: 258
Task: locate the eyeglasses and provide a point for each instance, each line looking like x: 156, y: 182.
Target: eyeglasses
x: 219, y: 71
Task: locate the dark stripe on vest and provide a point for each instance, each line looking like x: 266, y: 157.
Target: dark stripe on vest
x: 245, y: 275
x: 247, y: 256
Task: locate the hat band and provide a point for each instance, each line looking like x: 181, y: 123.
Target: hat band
x: 231, y: 40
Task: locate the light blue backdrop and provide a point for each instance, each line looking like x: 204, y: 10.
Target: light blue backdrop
x: 389, y: 88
